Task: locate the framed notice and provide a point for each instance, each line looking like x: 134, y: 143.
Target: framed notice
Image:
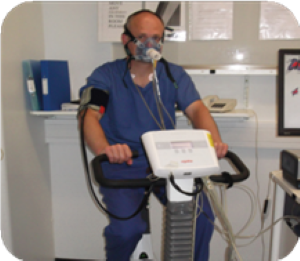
x: 277, y: 22
x: 112, y: 17
x: 210, y: 20
x: 289, y: 92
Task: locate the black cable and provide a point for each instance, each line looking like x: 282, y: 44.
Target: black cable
x: 84, y: 154
x: 184, y: 192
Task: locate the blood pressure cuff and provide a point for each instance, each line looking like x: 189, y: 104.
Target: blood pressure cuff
x: 95, y: 99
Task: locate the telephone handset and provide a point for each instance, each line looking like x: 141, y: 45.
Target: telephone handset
x: 215, y: 104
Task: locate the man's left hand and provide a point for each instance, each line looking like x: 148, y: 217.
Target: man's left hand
x: 221, y: 149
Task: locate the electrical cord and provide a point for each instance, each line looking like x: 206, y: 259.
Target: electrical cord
x: 172, y: 180
x: 269, y: 227
x: 224, y: 233
x: 156, y: 91
x: 251, y: 195
x: 254, y: 237
x: 262, y: 223
x: 223, y: 218
x: 264, y: 209
x: 253, y: 211
x: 144, y: 101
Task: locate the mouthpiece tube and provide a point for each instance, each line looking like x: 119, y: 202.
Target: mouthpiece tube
x: 153, y: 54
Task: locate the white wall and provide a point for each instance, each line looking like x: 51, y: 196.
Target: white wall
x: 38, y: 31
x: 245, y: 39
x: 71, y: 33
x: 26, y: 197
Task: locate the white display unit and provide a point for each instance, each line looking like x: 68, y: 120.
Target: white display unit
x: 186, y: 153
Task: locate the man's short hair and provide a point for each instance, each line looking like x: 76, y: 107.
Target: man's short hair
x: 126, y: 29
x: 142, y: 11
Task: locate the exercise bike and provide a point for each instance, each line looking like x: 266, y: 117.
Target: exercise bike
x: 183, y: 161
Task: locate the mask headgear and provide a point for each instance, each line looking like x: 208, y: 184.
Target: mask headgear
x: 142, y: 45
x: 135, y: 40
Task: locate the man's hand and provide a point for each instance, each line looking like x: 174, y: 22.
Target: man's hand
x: 119, y: 153
x: 221, y: 149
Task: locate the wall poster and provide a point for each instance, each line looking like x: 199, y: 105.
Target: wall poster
x: 210, y: 20
x: 289, y: 92
x: 277, y: 22
x: 112, y: 17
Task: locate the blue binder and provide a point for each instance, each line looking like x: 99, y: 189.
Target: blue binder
x: 32, y: 84
x: 55, y: 84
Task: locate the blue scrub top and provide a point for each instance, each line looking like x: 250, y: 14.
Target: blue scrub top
x: 126, y: 117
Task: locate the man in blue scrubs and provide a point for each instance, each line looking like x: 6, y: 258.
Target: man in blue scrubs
x: 123, y: 103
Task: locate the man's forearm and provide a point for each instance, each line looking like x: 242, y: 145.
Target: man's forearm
x: 208, y: 124
x: 93, y: 133
x: 202, y: 119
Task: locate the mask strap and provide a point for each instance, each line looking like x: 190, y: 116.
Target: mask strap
x: 128, y: 33
x: 132, y: 39
x: 170, y: 76
x: 128, y: 67
x: 127, y: 49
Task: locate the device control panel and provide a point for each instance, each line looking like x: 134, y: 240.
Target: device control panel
x: 184, y: 153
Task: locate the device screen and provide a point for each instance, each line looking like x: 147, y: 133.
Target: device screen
x: 181, y: 145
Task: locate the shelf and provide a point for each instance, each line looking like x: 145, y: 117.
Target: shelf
x: 55, y: 114
x: 61, y: 114
x: 235, y: 114
x: 230, y: 70
x: 242, y: 114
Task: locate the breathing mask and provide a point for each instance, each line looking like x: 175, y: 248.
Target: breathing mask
x: 146, y: 49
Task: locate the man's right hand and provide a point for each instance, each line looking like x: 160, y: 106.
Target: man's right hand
x: 97, y: 142
x: 119, y: 153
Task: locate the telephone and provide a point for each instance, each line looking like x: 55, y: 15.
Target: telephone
x: 215, y: 104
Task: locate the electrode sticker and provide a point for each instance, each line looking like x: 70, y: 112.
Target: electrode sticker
x: 211, y: 142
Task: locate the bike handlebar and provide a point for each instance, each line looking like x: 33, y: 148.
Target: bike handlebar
x: 240, y: 166
x: 134, y: 183
x: 119, y: 183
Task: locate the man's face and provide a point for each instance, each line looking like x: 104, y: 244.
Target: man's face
x: 143, y: 26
